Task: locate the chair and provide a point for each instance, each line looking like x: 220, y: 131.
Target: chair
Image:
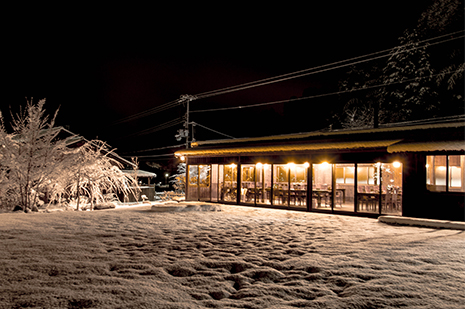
x: 284, y: 196
x: 338, y: 198
x: 302, y: 197
x: 277, y: 195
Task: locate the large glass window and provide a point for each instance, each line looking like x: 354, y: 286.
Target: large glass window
x: 214, y: 188
x: 445, y: 173
x: 345, y: 181
x: 391, y: 185
x: 368, y: 187
x: 298, y: 184
x: 228, y: 182
x: 248, y: 183
x: 322, y: 185
x: 193, y: 182
x: 456, y: 175
x: 280, y: 184
x: 263, y: 183
x: 204, y: 182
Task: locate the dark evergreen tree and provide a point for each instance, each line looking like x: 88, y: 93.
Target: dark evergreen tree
x: 422, y: 81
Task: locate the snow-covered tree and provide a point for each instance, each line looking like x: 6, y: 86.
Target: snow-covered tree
x: 360, y: 110
x: 35, y: 163
x: 95, y: 174
x: 426, y: 81
x: 179, y: 179
x: 415, y: 97
x: 31, y: 157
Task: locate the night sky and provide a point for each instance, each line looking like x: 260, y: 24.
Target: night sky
x: 100, y: 65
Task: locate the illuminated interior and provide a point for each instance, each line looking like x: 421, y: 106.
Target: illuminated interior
x: 445, y: 173
x: 344, y: 187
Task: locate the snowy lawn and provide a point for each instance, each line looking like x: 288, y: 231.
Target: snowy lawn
x: 240, y: 257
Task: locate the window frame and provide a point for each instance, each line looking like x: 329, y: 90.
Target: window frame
x: 431, y: 172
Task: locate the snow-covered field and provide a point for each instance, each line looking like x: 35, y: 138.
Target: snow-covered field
x: 240, y: 257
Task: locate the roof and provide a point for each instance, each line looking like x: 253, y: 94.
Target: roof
x: 304, y: 135
x: 424, y: 137
x: 140, y: 173
x: 293, y: 147
x: 427, y: 146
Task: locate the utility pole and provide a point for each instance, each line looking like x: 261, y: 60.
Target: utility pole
x: 186, y: 124
x: 185, y: 133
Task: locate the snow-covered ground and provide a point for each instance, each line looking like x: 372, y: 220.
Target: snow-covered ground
x: 239, y: 257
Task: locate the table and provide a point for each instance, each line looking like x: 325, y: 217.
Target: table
x: 319, y: 194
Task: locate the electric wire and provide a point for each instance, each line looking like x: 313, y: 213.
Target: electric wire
x: 151, y: 156
x: 279, y: 78
x: 198, y: 124
x: 156, y: 128
x: 155, y: 149
x: 311, y: 71
x: 320, y: 95
x: 151, y: 111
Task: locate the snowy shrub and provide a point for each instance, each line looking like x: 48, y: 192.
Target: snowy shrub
x: 179, y: 179
x: 38, y: 166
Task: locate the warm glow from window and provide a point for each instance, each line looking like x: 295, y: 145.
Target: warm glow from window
x: 396, y: 164
x: 441, y: 168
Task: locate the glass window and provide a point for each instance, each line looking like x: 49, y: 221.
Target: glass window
x: 322, y: 185
x: 263, y: 183
x: 391, y: 185
x: 368, y: 187
x: 248, y: 183
x: 456, y: 175
x: 280, y: 184
x: 445, y: 173
x: 298, y: 186
x: 214, y: 192
x: 193, y: 183
x: 344, y: 195
x: 228, y: 182
x: 204, y: 182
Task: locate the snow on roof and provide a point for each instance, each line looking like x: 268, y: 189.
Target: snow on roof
x: 293, y: 147
x: 456, y: 124
x: 339, y: 140
x: 140, y: 173
x: 427, y: 146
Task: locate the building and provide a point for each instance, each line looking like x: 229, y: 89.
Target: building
x: 414, y: 170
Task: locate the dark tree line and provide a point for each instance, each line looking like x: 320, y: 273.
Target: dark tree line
x: 422, y: 81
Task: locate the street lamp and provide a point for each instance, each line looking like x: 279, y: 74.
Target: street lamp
x: 166, y: 178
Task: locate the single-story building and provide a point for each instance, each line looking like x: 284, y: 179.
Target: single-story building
x: 414, y: 170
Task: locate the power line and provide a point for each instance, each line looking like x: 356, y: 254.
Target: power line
x: 278, y: 78
x: 156, y: 128
x: 306, y: 72
x: 155, y: 149
x: 275, y: 79
x: 151, y: 111
x: 151, y: 156
x: 197, y: 124
x: 320, y: 95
